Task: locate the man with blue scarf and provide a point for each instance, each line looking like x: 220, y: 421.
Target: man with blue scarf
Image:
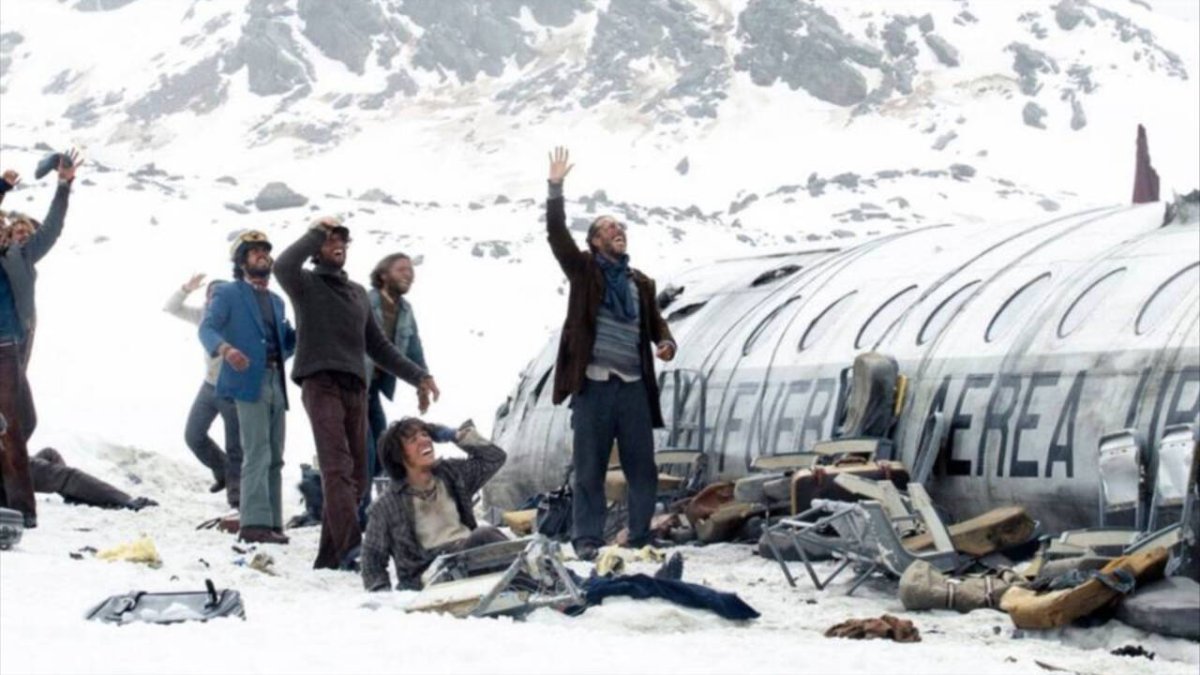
x: 605, y: 366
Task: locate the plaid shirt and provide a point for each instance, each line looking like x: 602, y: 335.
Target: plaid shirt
x: 391, y: 532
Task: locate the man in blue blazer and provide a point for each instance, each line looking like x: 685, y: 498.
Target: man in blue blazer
x: 246, y: 326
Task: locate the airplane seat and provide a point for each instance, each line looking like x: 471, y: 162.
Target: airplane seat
x: 868, y: 409
x: 871, y: 406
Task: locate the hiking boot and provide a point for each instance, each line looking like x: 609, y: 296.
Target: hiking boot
x: 279, y: 531
x: 30, y: 520
x: 261, y: 535
x: 217, y: 486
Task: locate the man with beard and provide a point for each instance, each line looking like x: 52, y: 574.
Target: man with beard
x: 246, y: 326
x: 605, y: 366
x: 391, y: 280
x: 337, y: 333
x: 17, y: 318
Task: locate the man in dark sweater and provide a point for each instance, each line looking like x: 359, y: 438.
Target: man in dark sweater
x: 17, y: 319
x: 605, y: 366
x: 336, y: 333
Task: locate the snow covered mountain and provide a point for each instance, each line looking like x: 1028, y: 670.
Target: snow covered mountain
x: 714, y: 127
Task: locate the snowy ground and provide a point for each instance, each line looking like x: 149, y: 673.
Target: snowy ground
x: 304, y: 621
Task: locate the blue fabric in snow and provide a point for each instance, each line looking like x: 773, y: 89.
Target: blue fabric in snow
x: 641, y: 587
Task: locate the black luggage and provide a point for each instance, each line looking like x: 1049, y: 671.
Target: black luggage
x: 139, y: 606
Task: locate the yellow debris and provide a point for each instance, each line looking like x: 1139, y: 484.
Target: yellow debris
x: 612, y: 559
x: 138, y: 551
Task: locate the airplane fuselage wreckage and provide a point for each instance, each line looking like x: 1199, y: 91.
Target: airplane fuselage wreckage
x: 1020, y: 348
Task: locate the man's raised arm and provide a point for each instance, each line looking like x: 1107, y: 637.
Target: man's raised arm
x: 44, y: 239
x: 565, y: 250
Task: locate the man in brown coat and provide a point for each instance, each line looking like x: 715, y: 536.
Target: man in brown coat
x: 605, y: 365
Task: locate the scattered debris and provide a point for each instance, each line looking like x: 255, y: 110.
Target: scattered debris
x: 1132, y: 650
x: 885, y: 627
x: 138, y: 551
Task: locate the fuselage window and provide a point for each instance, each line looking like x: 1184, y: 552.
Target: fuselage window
x: 883, y: 318
x: 1167, y: 298
x: 768, y: 327
x: 947, y: 310
x: 668, y: 295
x: 1088, y: 301
x: 774, y: 275
x: 825, y: 320
x: 685, y: 311
x: 537, y: 391
x: 1014, y: 309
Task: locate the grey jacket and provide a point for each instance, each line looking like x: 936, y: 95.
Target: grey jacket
x: 18, y: 261
x: 391, y: 532
x: 405, y: 337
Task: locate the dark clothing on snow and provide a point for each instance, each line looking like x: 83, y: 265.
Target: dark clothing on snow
x: 391, y: 532
x: 641, y: 587
x: 51, y: 474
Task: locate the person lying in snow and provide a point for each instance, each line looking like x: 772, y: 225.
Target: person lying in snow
x: 51, y: 474
x: 426, y: 510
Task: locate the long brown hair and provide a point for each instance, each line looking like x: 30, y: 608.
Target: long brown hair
x: 391, y: 445
x: 381, y: 268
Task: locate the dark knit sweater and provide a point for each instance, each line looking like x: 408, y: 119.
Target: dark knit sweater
x: 335, y: 326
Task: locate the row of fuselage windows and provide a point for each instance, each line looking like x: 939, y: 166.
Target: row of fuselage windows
x: 1157, y: 307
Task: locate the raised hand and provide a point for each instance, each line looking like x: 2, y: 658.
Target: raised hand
x: 12, y: 178
x: 68, y: 163
x: 560, y: 164
x: 193, y: 283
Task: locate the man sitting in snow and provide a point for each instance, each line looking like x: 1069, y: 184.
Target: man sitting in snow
x: 426, y: 510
